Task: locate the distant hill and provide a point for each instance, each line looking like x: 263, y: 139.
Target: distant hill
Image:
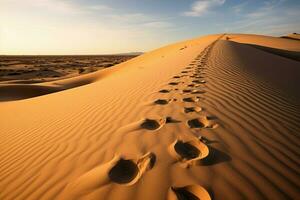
x: 131, y: 54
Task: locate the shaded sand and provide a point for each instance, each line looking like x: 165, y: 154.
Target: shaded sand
x: 281, y: 71
x: 127, y: 133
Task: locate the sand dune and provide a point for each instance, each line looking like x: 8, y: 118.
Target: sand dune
x: 207, y: 118
x: 266, y: 41
x: 294, y: 36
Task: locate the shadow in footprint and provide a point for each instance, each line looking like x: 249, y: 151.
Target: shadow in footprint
x: 201, y: 122
x: 196, y: 123
x: 190, y: 192
x: 162, y: 101
x: 176, y: 76
x: 173, y: 83
x: 183, y: 194
x: 199, y: 81
x: 129, y: 172
x: 164, y: 91
x: 171, y: 120
x: 215, y: 156
x: 191, y: 99
x: 186, y: 150
x: 189, y: 152
x: 186, y: 90
x: 211, y: 192
x: 205, y: 140
x: 192, y: 109
x: 152, y: 124
x: 123, y: 172
x: 212, y: 117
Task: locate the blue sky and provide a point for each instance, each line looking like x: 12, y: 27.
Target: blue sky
x: 114, y: 26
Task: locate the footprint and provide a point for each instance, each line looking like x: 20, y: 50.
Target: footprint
x: 200, y: 68
x: 192, y: 109
x: 162, y: 101
x: 118, y: 170
x: 193, y: 91
x: 186, y: 91
x: 164, y: 91
x: 129, y: 172
x: 174, y: 83
x: 184, y: 72
x: 176, y: 76
x: 191, y: 99
x: 123, y: 172
x: 189, y: 152
x: 152, y: 124
x: 197, y: 92
x: 171, y: 120
x: 199, y: 81
x: 186, y: 150
x: 205, y: 140
x: 201, y: 122
x: 190, y: 192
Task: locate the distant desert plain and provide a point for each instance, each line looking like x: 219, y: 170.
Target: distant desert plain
x: 214, y: 117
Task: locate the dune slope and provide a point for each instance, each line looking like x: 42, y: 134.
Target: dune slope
x: 200, y: 119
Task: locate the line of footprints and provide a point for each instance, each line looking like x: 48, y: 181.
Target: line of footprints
x: 129, y: 171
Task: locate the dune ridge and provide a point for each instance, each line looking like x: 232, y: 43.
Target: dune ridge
x: 243, y: 139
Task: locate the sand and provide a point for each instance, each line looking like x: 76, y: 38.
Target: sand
x: 207, y: 118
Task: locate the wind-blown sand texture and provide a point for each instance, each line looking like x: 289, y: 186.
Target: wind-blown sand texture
x: 208, y: 118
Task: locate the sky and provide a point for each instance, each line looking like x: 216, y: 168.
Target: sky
x: 71, y: 27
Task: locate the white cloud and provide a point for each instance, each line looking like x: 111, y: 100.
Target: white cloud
x: 270, y: 18
x: 66, y: 27
x: 58, y: 6
x: 201, y: 7
x: 100, y: 8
